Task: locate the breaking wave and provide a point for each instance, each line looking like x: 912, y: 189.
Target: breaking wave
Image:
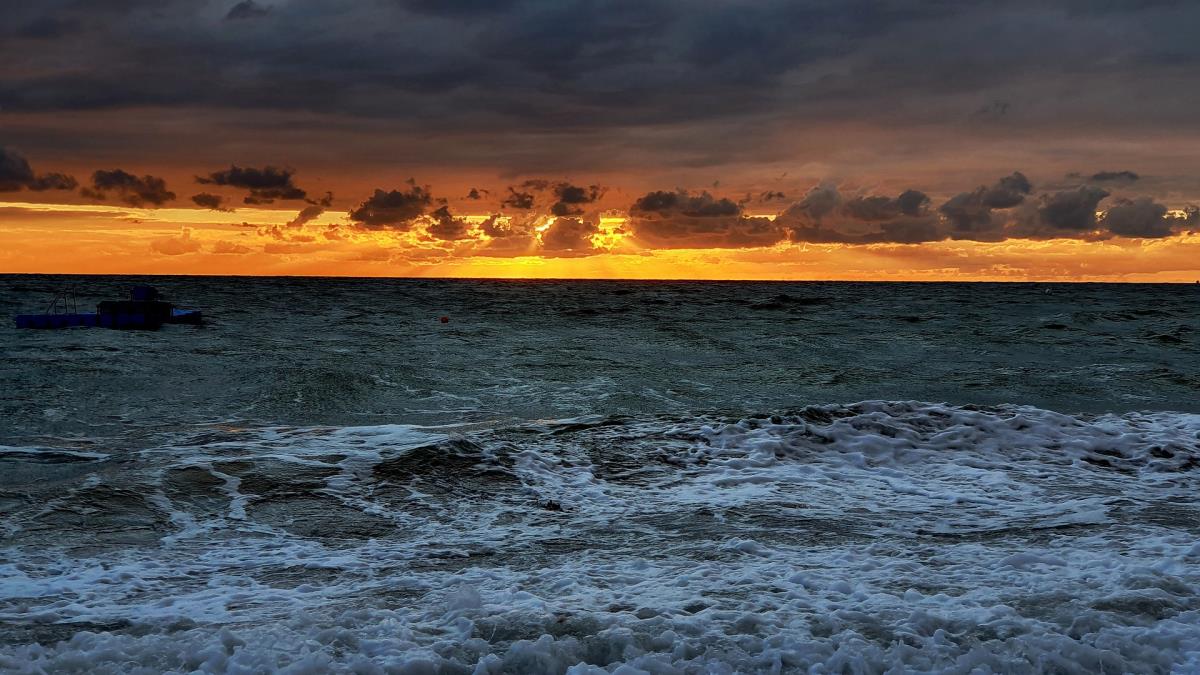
x: 879, y: 536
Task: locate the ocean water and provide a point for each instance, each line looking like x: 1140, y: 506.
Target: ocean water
x: 586, y: 477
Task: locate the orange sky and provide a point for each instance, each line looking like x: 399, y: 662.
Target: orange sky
x: 101, y: 239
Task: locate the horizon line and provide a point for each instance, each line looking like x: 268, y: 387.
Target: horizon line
x: 601, y: 279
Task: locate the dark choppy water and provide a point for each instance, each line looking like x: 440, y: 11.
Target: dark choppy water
x: 662, y: 477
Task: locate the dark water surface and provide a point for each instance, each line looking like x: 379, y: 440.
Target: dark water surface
x: 587, y: 477
x: 364, y: 351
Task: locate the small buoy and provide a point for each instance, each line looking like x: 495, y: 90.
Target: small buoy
x: 444, y: 319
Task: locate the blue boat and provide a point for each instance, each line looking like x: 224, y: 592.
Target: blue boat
x: 142, y: 311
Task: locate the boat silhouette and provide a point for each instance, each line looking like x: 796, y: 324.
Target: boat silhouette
x: 144, y: 310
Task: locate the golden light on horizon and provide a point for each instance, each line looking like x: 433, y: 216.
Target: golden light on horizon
x: 104, y: 238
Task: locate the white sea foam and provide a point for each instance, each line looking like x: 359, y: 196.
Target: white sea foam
x: 40, y: 454
x: 880, y: 537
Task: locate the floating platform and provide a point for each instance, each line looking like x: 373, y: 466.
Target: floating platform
x: 142, y: 311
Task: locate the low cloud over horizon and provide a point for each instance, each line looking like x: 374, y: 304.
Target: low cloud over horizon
x: 560, y: 217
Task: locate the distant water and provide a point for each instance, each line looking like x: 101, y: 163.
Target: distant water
x: 586, y: 477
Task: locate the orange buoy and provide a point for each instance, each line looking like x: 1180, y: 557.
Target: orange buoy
x: 444, y: 319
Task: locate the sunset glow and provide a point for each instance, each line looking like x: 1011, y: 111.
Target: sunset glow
x: 637, y: 143
x: 104, y: 239
x: 91, y: 239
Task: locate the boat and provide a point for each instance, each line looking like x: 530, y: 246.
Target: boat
x: 144, y: 310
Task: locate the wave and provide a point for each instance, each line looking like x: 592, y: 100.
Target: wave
x: 852, y: 538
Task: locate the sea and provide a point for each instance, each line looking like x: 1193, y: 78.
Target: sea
x: 509, y: 476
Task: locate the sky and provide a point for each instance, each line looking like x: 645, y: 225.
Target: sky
x: 772, y: 139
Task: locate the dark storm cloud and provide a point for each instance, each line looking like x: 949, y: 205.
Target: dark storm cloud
x: 1142, y: 217
x: 970, y: 213
x: 571, y: 199
x: 771, y: 196
x: 566, y: 199
x: 52, y: 181
x: 1007, y: 192
x: 518, y: 200
x: 818, y: 203
x: 1010, y: 207
x: 49, y: 28
x: 247, y: 9
x: 907, y: 230
x: 457, y: 8
x: 573, y: 41
x: 569, y: 236
x: 447, y: 227
x: 290, y: 230
x: 139, y: 191
x: 210, y: 201
x: 827, y: 217
x: 394, y: 209
x: 684, y: 203
x: 16, y: 173
x: 565, y: 64
x: 965, y: 212
x: 477, y: 193
x: 575, y: 194
x: 681, y: 219
x: 635, y: 88
x: 824, y: 216
x: 306, y: 215
x: 872, y: 208
x: 601, y: 71
x: 912, y: 202
x: 1115, y: 177
x: 265, y: 185
x: 1071, y: 210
